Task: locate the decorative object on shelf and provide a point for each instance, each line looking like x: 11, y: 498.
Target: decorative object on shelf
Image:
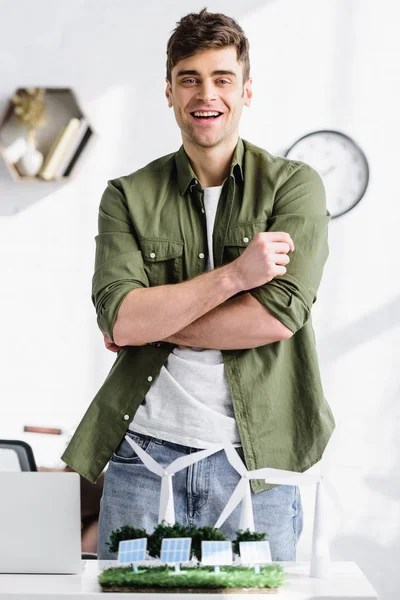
x: 341, y: 164
x: 30, y: 110
x: 31, y: 160
x: 58, y: 133
x: 15, y: 150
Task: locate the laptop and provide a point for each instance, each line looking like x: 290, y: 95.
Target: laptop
x: 40, y: 522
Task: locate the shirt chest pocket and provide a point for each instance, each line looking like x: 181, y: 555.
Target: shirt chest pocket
x: 162, y: 260
x: 239, y: 237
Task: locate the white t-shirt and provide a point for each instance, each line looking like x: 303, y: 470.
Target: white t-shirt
x: 189, y: 402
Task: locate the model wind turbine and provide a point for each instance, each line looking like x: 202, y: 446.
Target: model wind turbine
x: 320, y: 565
x: 166, y: 511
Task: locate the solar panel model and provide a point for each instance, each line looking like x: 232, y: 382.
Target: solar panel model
x: 216, y: 554
x: 255, y: 553
x: 132, y: 551
x: 175, y: 551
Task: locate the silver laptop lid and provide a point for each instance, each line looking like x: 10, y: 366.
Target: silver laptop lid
x: 40, y: 522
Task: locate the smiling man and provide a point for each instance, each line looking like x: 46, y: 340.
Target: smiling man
x: 208, y: 261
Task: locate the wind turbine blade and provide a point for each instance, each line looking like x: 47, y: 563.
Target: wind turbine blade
x: 282, y: 477
x: 150, y: 463
x: 166, y: 509
x: 185, y: 461
x: 236, y: 497
x: 234, y: 458
x: 246, y: 511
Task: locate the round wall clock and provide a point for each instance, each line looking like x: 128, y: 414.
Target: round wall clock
x: 341, y: 164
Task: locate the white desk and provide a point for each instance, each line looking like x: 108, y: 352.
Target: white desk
x: 347, y: 583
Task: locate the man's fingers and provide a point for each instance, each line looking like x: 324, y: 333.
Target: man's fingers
x: 280, y: 270
x: 280, y: 247
x: 110, y: 344
x: 281, y: 259
x: 113, y: 348
x: 280, y: 236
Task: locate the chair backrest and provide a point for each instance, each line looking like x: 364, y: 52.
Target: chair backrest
x: 16, y: 455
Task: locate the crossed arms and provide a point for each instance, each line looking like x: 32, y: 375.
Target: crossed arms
x: 206, y: 311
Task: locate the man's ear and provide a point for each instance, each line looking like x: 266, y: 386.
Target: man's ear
x: 248, y: 91
x: 168, y: 92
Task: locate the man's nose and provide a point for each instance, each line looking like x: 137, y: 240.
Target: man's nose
x: 207, y: 91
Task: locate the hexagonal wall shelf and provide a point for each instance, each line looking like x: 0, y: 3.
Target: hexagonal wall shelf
x: 61, y: 141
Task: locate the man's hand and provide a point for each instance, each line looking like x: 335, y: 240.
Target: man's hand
x: 264, y: 258
x: 110, y: 345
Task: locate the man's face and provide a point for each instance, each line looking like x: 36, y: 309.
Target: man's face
x: 211, y: 80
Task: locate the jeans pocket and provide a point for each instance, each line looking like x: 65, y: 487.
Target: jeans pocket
x: 125, y: 454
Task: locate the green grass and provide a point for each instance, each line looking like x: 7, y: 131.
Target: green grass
x: 271, y: 576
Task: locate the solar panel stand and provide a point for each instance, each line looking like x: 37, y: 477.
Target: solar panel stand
x: 177, y: 567
x: 257, y: 569
x: 217, y: 569
x: 135, y: 567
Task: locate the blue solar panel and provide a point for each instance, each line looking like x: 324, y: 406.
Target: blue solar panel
x: 216, y: 553
x: 175, y: 550
x: 253, y: 553
x: 132, y: 550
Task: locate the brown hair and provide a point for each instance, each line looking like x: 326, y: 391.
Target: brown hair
x: 203, y: 30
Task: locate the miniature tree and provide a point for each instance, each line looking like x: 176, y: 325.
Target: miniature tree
x: 127, y: 532
x: 201, y: 534
x: 247, y: 536
x: 163, y: 530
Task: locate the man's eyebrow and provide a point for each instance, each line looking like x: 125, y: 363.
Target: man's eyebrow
x: 194, y: 72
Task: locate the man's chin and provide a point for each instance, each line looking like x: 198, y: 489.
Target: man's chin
x: 205, y: 140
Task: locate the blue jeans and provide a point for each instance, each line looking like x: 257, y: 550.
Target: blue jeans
x: 131, y: 497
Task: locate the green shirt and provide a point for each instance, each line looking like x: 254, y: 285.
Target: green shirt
x: 152, y: 228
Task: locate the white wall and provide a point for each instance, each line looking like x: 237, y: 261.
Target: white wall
x: 315, y: 64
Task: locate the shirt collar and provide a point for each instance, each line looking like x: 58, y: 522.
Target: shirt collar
x: 186, y: 175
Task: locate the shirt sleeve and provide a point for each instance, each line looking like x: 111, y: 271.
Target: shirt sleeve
x: 300, y: 210
x: 119, y: 262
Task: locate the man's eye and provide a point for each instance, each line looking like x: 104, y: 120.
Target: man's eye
x: 224, y: 81
x: 188, y: 80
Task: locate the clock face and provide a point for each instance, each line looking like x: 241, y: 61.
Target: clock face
x: 341, y: 164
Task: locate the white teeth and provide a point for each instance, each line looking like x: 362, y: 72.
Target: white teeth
x: 206, y: 114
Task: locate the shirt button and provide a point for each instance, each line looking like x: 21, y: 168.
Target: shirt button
x: 201, y: 255
x: 245, y: 239
x: 126, y: 417
x: 203, y: 211
x: 149, y: 378
x: 153, y: 255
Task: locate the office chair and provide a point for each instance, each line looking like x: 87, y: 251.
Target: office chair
x: 16, y: 455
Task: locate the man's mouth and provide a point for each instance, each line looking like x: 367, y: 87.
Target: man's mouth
x: 201, y: 115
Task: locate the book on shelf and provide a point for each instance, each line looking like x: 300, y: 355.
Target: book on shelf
x: 78, y: 151
x: 59, y: 148
x: 70, y: 153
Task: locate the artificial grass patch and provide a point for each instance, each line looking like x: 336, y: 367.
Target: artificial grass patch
x: 164, y: 577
